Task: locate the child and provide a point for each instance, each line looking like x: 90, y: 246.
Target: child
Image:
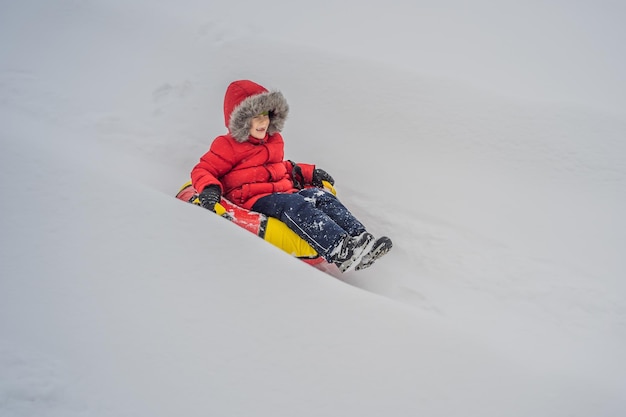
x: 247, y: 166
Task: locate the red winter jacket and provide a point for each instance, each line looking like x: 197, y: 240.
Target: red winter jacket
x: 246, y: 168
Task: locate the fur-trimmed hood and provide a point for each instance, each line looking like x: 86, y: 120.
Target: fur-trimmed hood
x: 244, y: 100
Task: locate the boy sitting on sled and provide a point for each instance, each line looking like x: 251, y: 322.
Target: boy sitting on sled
x: 247, y: 167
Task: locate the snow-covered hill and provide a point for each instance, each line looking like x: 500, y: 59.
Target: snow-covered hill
x: 488, y: 142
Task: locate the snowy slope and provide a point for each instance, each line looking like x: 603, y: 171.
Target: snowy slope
x: 499, y: 177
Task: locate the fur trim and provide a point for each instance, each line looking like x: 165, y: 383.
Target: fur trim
x: 241, y: 117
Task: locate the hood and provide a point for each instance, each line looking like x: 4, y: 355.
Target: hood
x: 245, y: 99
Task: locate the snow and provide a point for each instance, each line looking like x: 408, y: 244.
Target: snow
x: 487, y: 140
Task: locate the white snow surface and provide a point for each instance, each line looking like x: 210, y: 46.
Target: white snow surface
x: 487, y: 139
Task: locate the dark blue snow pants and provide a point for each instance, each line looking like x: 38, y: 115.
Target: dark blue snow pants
x: 316, y: 215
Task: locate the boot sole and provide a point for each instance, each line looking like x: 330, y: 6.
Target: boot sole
x: 357, y: 258
x: 381, y: 247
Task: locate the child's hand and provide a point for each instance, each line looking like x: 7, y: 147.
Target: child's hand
x: 320, y: 175
x: 210, y: 196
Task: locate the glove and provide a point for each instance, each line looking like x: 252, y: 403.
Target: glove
x: 297, y: 176
x: 320, y: 175
x: 210, y: 196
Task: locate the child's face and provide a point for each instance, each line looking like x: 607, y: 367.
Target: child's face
x: 259, y: 125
